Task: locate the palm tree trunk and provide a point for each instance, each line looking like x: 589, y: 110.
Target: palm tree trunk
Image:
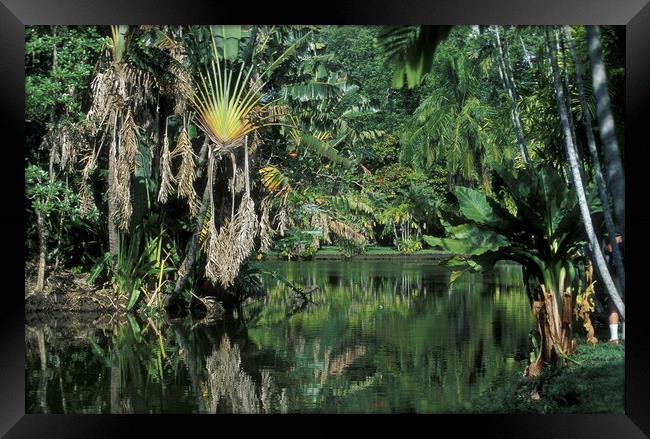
x: 112, y: 208
x: 190, y: 251
x: 598, y: 173
x: 577, y: 181
x: 508, y: 84
x: 613, y: 165
x: 42, y: 251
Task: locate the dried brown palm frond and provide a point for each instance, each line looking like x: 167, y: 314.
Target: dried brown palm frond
x: 213, y: 246
x: 232, y: 244
x: 69, y: 141
x: 167, y: 178
x: 345, y: 231
x: 266, y: 231
x: 186, y: 172
x: 239, y: 181
x: 103, y: 99
x: 89, y: 161
x: 320, y: 221
x: 254, y: 141
x: 139, y: 82
x: 62, y: 142
x: 129, y: 142
x: 87, y: 202
x: 122, y: 195
x: 182, y: 87
x: 283, y: 220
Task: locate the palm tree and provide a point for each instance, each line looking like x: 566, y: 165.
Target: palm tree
x: 596, y: 166
x: 613, y: 165
x: 572, y: 156
x: 119, y: 92
x: 507, y: 79
x: 451, y: 122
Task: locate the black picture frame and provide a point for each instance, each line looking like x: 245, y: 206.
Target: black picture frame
x: 634, y: 14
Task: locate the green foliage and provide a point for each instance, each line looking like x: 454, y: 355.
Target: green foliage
x: 60, y: 88
x: 411, y: 49
x: 408, y: 245
x: 350, y: 247
x: 544, y: 236
x: 298, y: 243
x: 62, y: 211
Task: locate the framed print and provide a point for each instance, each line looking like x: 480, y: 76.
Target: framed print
x: 413, y: 208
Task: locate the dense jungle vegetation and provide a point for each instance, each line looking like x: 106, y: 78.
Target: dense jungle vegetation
x: 162, y: 162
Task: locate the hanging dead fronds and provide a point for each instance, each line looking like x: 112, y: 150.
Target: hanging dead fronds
x: 321, y: 221
x: 103, y: 99
x: 122, y: 195
x: 232, y: 245
x: 345, y: 231
x: 239, y: 181
x: 212, y: 251
x: 167, y: 178
x: 266, y: 231
x: 186, y: 172
x: 129, y: 142
x: 282, y: 220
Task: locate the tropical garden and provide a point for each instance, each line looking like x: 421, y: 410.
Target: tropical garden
x: 324, y: 218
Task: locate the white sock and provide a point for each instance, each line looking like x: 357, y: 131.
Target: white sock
x: 613, y: 331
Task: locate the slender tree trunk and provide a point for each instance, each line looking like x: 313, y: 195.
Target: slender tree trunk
x: 42, y: 251
x: 40, y: 221
x: 526, y: 53
x: 577, y: 181
x: 613, y: 165
x: 600, y: 180
x: 508, y: 84
x: 190, y: 251
x: 112, y: 169
x: 559, y: 48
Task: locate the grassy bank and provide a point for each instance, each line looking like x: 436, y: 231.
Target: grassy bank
x: 596, y: 385
x: 335, y: 252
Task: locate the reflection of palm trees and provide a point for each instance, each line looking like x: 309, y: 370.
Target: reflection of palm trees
x: 228, y: 385
x: 44, y: 375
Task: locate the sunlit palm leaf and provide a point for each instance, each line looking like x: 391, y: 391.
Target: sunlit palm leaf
x: 225, y: 107
x: 273, y: 179
x: 410, y: 49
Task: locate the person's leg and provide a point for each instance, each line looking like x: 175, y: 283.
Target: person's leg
x: 613, y: 322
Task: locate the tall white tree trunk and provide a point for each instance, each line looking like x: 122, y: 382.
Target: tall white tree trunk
x: 600, y: 180
x: 613, y: 165
x: 577, y: 181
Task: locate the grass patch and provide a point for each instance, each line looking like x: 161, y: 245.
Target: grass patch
x: 595, y: 386
x: 336, y: 251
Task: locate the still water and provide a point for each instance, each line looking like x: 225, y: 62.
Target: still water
x: 381, y: 337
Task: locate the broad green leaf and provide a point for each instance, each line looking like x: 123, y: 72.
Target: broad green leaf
x: 469, y: 240
x: 474, y: 206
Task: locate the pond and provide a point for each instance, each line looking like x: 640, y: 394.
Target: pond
x: 380, y: 337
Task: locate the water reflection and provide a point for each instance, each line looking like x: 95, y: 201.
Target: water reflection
x: 382, y: 337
